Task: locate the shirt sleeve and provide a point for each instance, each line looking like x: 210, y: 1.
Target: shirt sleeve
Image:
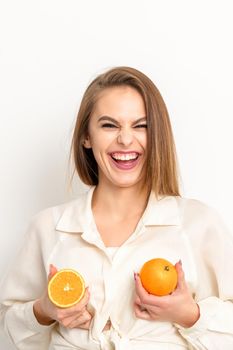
x: 23, y: 284
x: 214, y: 329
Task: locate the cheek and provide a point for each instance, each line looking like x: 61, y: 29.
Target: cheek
x: 98, y: 148
x: 101, y: 142
x: 142, y: 139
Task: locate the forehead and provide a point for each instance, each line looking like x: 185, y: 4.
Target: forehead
x: 120, y: 101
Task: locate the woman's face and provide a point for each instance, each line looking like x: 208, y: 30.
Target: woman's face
x: 117, y: 135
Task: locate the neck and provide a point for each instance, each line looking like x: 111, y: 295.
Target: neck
x: 120, y: 203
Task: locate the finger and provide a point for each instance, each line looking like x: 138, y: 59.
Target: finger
x: 145, y: 297
x: 141, y: 313
x: 137, y: 300
x: 80, y: 306
x: 86, y: 325
x: 52, y: 271
x: 74, y: 311
x: 84, y: 301
x: 79, y: 318
x: 78, y: 321
x: 140, y: 290
x: 181, y: 284
x: 154, y: 309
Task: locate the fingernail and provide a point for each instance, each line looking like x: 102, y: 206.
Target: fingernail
x: 180, y: 262
x: 135, y: 276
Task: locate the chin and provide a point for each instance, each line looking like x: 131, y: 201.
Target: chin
x: 127, y: 184
x: 122, y: 181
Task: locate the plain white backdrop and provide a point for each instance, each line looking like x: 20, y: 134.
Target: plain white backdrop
x: 51, y: 50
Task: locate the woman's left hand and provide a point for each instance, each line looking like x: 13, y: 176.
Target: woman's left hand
x: 178, y: 307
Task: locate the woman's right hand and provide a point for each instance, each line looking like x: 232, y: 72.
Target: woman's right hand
x: 76, y: 316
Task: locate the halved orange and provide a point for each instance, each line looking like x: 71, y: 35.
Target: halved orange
x: 66, y: 288
x: 159, y: 276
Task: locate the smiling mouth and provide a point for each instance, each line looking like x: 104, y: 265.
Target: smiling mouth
x: 124, y: 158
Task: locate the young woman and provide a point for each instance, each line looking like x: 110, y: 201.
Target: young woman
x: 123, y: 148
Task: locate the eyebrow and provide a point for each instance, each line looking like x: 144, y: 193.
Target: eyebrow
x: 106, y: 117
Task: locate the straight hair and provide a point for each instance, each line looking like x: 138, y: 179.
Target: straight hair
x: 161, y: 162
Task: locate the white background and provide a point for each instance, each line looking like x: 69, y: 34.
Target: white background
x: 51, y: 49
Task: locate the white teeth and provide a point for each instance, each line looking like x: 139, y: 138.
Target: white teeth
x: 119, y: 156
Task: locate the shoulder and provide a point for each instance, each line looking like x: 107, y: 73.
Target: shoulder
x: 195, y: 208
x: 201, y: 217
x: 48, y: 218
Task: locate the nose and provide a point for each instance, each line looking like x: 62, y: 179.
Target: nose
x: 125, y: 137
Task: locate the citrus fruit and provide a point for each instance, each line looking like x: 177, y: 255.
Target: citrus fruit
x: 66, y: 288
x: 158, y: 276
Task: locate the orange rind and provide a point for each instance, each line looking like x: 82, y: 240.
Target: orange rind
x: 159, y: 276
x: 66, y: 288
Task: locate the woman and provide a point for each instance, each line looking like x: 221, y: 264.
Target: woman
x: 123, y: 148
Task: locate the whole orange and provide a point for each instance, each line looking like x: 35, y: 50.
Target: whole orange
x: 158, y: 276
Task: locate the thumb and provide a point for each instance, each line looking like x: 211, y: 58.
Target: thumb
x: 52, y: 271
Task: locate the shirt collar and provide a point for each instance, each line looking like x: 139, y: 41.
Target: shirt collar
x: 77, y: 215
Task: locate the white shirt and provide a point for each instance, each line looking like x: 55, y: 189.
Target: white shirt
x: 172, y: 228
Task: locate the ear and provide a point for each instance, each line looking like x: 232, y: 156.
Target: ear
x: 87, y: 142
